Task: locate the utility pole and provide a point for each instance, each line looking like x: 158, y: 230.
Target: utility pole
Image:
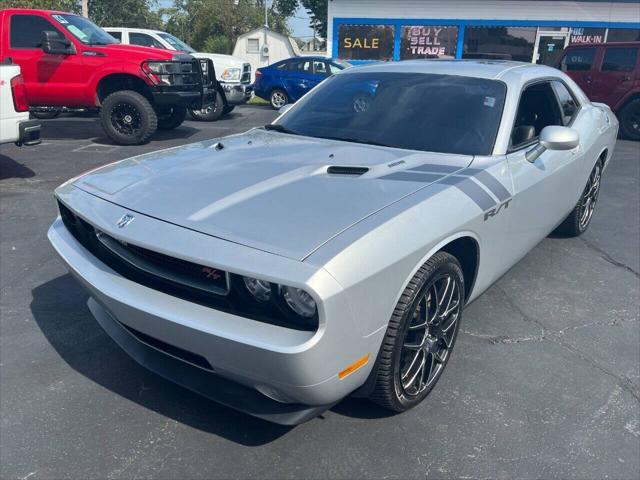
x: 85, y: 8
x: 266, y: 18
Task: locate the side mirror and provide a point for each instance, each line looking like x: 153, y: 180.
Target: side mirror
x: 55, y: 44
x: 285, y: 109
x: 554, y: 137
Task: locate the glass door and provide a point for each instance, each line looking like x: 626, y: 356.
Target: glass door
x: 549, y: 47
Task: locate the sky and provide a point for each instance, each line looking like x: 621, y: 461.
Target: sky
x: 299, y: 23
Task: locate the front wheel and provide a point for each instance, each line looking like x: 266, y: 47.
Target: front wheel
x: 630, y: 120
x: 580, y: 217
x: 128, y: 118
x: 210, y: 112
x: 171, y: 118
x: 421, y: 334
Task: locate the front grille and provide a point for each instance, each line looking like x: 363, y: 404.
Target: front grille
x: 246, y: 74
x: 201, y: 284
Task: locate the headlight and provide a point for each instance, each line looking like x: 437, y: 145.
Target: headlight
x: 163, y: 73
x: 230, y: 74
x: 260, y: 289
x: 299, y: 301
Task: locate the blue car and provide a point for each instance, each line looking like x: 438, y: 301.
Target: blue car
x: 288, y: 80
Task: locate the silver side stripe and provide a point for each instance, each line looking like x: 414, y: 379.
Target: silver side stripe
x: 427, y: 167
x: 407, y: 176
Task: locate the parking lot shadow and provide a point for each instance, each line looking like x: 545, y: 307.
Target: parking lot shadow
x: 9, y: 168
x: 59, y: 308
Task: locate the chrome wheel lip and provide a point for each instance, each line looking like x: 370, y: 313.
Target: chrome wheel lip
x: 590, y: 197
x: 429, y: 337
x: 278, y: 99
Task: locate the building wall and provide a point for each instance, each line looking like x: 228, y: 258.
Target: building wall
x: 546, y: 12
x: 279, y: 49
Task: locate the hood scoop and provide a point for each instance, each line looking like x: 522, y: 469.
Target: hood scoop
x: 349, y: 170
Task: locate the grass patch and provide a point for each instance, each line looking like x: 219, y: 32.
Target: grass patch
x: 257, y: 101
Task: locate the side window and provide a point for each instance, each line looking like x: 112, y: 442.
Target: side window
x: 619, y: 59
x: 26, y: 30
x: 568, y: 103
x: 320, y: 68
x: 538, y: 108
x: 307, y: 67
x: 293, y: 66
x: 116, y: 35
x: 578, y: 59
x: 144, y: 40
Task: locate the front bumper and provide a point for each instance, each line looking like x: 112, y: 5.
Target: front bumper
x: 279, y: 374
x: 237, y: 93
x: 169, y: 98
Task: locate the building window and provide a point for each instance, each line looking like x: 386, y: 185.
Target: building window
x: 578, y: 60
x: 502, y: 43
x: 617, y: 59
x: 366, y: 42
x: 253, y: 45
x: 428, y: 41
x: 623, y: 35
x: 587, y: 35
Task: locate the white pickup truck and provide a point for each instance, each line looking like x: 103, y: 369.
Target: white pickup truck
x: 232, y: 73
x: 15, y: 126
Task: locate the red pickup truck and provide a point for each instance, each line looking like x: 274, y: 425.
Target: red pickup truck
x: 69, y: 62
x: 609, y: 73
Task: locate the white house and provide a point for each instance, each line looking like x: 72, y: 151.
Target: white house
x: 263, y: 46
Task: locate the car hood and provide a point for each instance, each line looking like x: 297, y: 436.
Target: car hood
x: 220, y: 60
x: 262, y: 189
x: 144, y: 53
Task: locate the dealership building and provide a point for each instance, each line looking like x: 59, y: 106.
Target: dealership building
x: 523, y: 30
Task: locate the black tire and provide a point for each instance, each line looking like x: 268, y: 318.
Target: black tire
x: 390, y: 390
x: 45, y: 115
x: 630, y: 120
x: 278, y: 98
x: 211, y: 112
x: 228, y: 109
x: 135, y: 130
x: 171, y: 118
x: 580, y: 217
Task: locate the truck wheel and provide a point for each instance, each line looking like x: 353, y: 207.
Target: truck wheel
x: 228, y: 109
x: 171, y: 118
x: 128, y: 118
x: 210, y: 112
x: 278, y: 98
x: 630, y: 120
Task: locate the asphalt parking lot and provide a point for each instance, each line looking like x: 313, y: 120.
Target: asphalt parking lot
x: 544, y: 381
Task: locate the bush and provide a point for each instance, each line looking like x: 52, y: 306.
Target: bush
x: 218, y: 44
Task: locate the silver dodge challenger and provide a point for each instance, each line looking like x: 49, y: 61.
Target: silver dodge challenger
x: 332, y: 252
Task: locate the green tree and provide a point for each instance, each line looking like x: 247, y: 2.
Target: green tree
x: 64, y: 5
x: 317, y: 10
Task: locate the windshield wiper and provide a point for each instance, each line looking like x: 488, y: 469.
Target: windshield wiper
x: 358, y: 140
x: 279, y: 128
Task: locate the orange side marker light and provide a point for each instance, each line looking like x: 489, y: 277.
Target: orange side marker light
x: 354, y: 366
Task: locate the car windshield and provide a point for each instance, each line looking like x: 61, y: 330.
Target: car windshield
x: 84, y: 30
x: 427, y: 112
x: 176, y: 43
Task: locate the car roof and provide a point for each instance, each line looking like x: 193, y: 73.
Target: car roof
x: 489, y: 69
x: 132, y: 29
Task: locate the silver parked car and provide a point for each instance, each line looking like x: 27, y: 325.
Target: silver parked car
x: 332, y: 252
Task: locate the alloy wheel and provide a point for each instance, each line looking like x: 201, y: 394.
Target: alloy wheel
x: 126, y: 119
x: 590, y: 196
x: 278, y: 99
x: 430, y: 335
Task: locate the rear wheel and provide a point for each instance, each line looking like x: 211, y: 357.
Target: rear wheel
x: 128, y: 118
x: 278, y: 98
x: 421, y: 334
x: 210, y: 112
x: 171, y: 118
x: 580, y: 217
x: 630, y: 120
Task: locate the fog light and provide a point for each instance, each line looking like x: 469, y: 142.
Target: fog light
x: 299, y: 301
x: 260, y: 289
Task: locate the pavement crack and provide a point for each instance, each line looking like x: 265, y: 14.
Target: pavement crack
x: 608, y: 258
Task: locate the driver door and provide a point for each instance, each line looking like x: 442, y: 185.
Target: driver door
x: 546, y: 190
x: 49, y: 79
